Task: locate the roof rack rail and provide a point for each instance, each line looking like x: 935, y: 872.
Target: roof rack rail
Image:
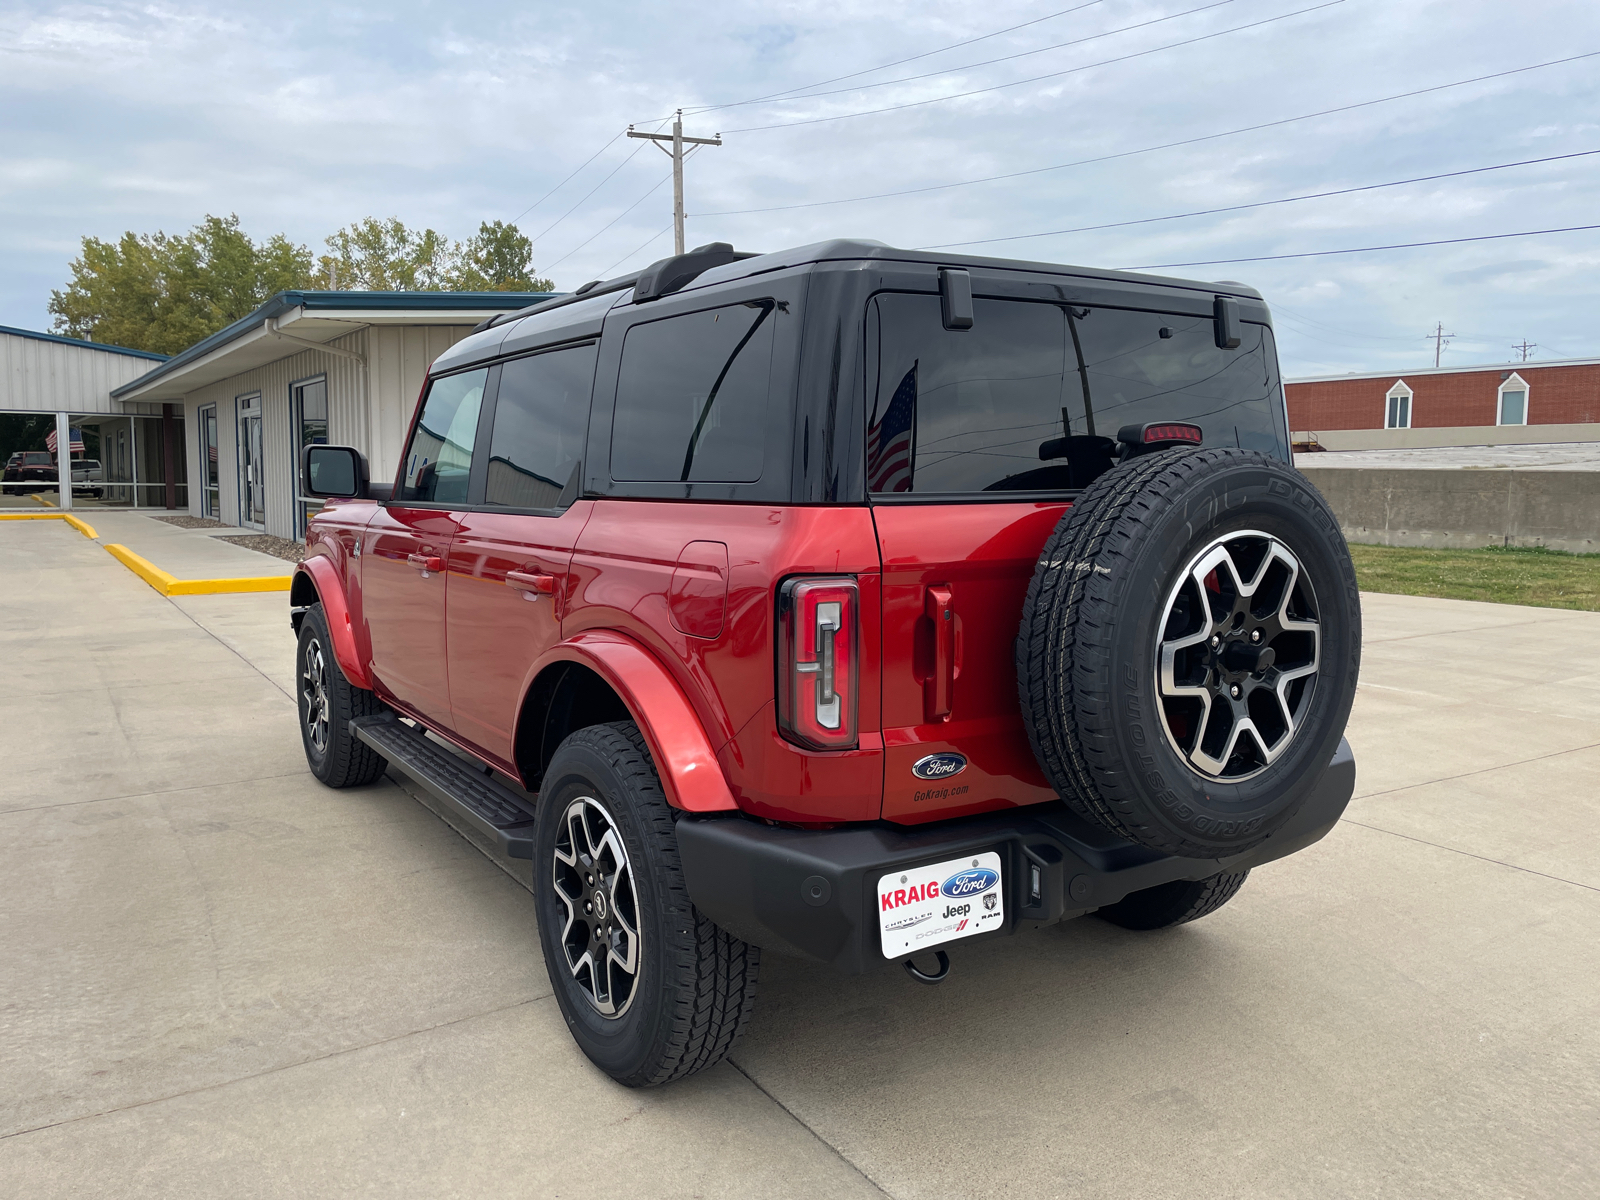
x: 671, y: 274
x: 593, y: 288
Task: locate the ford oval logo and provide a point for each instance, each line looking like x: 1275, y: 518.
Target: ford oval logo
x: 969, y: 883
x: 939, y: 766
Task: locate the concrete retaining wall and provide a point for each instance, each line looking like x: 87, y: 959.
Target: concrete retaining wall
x: 1464, y: 509
x: 1464, y: 435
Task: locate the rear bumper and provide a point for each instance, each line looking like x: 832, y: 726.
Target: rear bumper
x: 813, y: 893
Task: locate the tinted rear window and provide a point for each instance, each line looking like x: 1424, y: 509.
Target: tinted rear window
x: 961, y: 411
x: 692, y: 397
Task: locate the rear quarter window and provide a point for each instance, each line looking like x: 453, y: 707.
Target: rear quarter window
x: 692, y: 397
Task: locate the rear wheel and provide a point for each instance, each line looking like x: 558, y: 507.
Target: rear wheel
x: 1175, y: 903
x: 328, y: 703
x: 650, y: 989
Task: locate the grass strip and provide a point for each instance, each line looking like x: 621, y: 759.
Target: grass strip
x: 1500, y: 575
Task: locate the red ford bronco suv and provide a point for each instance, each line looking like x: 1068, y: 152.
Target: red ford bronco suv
x: 847, y: 603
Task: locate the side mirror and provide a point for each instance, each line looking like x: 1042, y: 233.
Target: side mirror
x: 333, y: 473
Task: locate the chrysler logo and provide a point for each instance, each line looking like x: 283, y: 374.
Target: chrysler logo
x: 939, y: 766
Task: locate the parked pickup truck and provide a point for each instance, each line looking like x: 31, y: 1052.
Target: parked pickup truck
x: 848, y: 603
x: 29, y: 471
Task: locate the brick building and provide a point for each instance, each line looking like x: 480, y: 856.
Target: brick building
x: 1520, y: 394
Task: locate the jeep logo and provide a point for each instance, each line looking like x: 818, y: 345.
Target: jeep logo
x: 939, y: 766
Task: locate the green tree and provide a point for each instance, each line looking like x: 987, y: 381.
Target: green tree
x: 164, y: 292
x: 498, y: 258
x: 385, y: 256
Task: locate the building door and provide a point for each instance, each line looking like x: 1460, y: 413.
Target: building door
x: 252, y: 473
x: 209, y: 489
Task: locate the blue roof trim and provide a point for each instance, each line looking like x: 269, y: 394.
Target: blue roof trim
x: 66, y: 341
x: 336, y: 301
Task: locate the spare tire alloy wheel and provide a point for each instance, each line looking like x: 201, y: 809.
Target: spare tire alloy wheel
x: 593, y: 880
x: 1237, y: 655
x: 1188, y: 650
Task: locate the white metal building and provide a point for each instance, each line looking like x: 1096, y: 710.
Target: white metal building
x: 340, y: 367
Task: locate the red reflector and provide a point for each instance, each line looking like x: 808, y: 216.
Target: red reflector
x: 818, y: 676
x: 1171, y: 433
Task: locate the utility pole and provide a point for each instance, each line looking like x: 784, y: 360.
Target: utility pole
x: 1440, y: 340
x: 1525, y: 347
x: 678, y: 142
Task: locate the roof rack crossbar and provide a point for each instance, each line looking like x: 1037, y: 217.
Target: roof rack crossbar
x: 587, y: 292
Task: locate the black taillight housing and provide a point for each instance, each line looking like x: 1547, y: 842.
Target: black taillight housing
x: 819, y: 622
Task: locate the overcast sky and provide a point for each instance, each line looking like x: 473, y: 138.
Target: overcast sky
x: 302, y: 118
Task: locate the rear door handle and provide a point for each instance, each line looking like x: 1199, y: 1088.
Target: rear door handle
x: 936, y: 689
x: 533, y: 586
x: 425, y: 562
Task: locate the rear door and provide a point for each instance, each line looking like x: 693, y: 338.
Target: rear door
x: 407, y: 544
x: 953, y: 415
x: 976, y: 440
x: 510, y: 557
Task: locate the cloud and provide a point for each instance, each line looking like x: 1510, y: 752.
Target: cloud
x: 305, y: 117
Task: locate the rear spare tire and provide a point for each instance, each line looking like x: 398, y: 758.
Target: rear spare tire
x: 1189, y: 649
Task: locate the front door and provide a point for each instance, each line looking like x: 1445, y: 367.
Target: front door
x: 407, y: 544
x: 252, y: 476
x: 511, y: 555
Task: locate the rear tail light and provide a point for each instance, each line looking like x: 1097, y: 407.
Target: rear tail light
x: 818, y: 679
x: 1160, y: 433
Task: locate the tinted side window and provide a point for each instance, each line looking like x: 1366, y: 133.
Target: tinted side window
x: 439, y: 460
x: 541, y: 415
x: 692, y: 397
x: 1141, y: 366
x: 963, y: 410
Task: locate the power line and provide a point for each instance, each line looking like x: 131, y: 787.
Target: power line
x: 564, y: 182
x: 1207, y: 212
x: 899, y: 62
x: 590, y: 192
x: 1205, y: 137
x: 987, y: 62
x: 1487, y: 237
x: 1037, y: 78
x: 636, y: 249
x: 653, y: 189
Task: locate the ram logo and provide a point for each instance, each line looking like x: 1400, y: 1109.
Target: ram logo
x: 939, y: 766
x: 970, y: 882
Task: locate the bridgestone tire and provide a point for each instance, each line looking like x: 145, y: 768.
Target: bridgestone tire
x: 342, y: 760
x: 694, y: 985
x: 1096, y: 617
x: 1175, y: 903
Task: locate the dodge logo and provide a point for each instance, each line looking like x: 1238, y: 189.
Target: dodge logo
x: 939, y: 766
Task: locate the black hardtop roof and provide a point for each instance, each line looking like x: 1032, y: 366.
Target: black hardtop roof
x: 857, y: 249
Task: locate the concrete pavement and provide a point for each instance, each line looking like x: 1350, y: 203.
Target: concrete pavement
x: 217, y: 977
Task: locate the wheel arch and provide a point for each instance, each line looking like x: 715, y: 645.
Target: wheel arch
x: 599, y: 676
x: 316, y: 580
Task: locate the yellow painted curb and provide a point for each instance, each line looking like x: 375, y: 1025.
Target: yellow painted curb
x: 38, y: 499
x: 170, y: 585
x: 30, y: 516
x: 82, y: 527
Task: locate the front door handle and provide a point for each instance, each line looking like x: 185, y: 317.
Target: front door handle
x: 936, y: 689
x: 426, y: 563
x: 533, y: 586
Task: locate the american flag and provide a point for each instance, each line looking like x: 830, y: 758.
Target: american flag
x: 74, y: 446
x: 891, y: 440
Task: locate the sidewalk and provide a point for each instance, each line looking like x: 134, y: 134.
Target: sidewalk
x: 186, y: 553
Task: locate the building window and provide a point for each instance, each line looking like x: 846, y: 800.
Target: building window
x: 1513, y: 406
x: 1397, y: 413
x: 308, y: 410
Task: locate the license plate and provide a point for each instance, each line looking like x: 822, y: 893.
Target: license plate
x: 929, y: 906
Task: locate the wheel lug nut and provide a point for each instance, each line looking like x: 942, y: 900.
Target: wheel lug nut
x: 1216, y: 640
x: 1234, y: 691
x: 1255, y: 635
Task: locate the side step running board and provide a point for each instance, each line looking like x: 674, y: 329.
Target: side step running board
x: 494, y: 809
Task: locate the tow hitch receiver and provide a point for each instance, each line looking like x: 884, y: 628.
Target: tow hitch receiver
x: 923, y: 976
